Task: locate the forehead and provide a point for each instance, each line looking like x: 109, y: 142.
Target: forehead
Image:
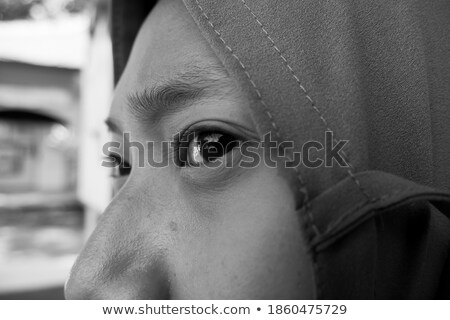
x: 168, y: 43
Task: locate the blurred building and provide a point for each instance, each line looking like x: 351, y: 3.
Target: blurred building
x: 40, y: 66
x: 55, y: 89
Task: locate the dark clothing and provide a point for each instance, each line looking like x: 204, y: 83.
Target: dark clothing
x: 374, y: 73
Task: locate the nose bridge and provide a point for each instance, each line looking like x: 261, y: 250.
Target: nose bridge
x: 121, y: 260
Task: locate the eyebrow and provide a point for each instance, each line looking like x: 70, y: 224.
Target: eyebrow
x: 172, y: 95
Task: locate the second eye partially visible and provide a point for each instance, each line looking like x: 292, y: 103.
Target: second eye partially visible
x: 120, y: 167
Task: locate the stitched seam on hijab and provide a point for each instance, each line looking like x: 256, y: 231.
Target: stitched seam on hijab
x: 258, y: 92
x: 313, y: 104
x: 303, y: 189
x: 342, y: 219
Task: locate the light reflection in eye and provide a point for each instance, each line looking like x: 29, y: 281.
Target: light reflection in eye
x: 209, y: 146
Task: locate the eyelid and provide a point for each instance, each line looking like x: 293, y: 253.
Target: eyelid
x: 214, y: 125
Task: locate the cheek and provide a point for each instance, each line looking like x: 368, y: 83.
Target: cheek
x: 247, y: 243
x: 162, y: 238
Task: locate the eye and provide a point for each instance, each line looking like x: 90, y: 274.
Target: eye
x: 206, y: 147
x: 120, y: 167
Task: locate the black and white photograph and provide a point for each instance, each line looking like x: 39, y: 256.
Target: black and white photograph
x: 284, y: 152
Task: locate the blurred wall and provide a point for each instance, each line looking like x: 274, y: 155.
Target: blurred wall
x: 38, y: 116
x: 94, y: 183
x: 36, y: 156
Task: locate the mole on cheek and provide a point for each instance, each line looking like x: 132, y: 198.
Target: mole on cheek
x: 173, y: 226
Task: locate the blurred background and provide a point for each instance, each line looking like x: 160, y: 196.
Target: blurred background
x: 56, y: 83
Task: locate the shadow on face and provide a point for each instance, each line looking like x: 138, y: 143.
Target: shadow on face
x: 187, y: 230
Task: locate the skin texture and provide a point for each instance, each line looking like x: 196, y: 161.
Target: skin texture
x: 190, y: 232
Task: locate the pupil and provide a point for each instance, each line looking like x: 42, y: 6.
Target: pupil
x: 214, y: 146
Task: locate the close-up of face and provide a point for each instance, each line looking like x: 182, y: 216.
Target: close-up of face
x: 187, y: 230
x: 224, y: 150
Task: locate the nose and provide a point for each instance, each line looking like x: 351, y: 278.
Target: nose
x: 117, y: 262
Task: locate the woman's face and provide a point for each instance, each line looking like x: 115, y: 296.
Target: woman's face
x: 186, y: 230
